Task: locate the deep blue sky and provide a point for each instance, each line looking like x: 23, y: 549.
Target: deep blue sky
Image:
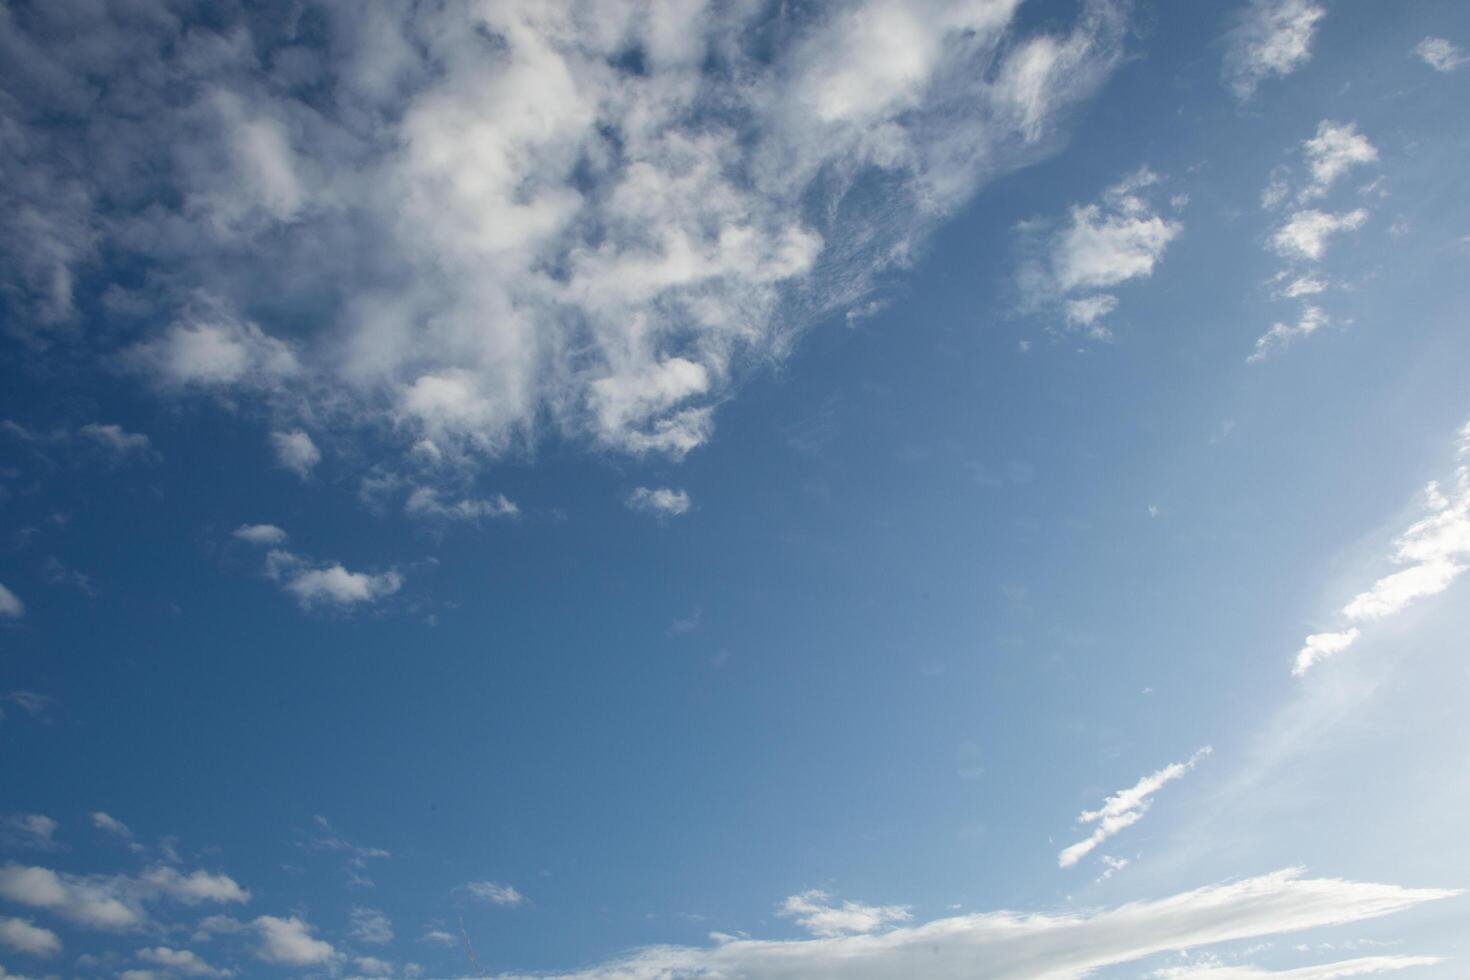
x: 939, y: 564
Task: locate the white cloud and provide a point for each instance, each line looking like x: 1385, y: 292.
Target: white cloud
x: 370, y: 925
x: 1119, y: 238
x: 112, y: 825
x: 1362, y: 966
x: 1007, y: 946
x: 115, y: 439
x: 182, y: 961
x: 1305, y: 234
x: 10, y: 605
x: 1435, y: 550
x: 1282, y: 334
x: 262, y: 534
x: 1111, y: 866
x: 495, y: 893
x: 29, y: 830
x: 1271, y: 38
x: 663, y: 501
x: 1438, y: 53
x: 815, y: 912
x: 112, y: 902
x: 1304, y: 286
x: 24, y: 936
x: 1125, y: 808
x: 289, y: 942
x: 296, y: 452
x: 439, y: 937
x: 329, y: 583
x: 471, y: 248
x: 1337, y: 148
x: 372, y: 966
x: 194, y: 888
x: 429, y: 503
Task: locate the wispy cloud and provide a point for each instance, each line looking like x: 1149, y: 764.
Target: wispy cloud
x: 660, y: 501
x: 819, y: 914
x: 1438, y: 53
x: 1125, y: 808
x: 1360, y: 967
x: 1434, y: 551
x: 1271, y: 38
x: 496, y: 893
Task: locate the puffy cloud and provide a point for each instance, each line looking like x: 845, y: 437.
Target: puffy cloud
x: 372, y: 966
x: 261, y: 534
x: 1007, y: 946
x: 24, y: 936
x: 296, y: 452
x: 1305, y: 234
x: 10, y: 605
x: 1282, y: 334
x: 329, y: 584
x: 1125, y: 808
x: 29, y: 830
x: 496, y: 893
x: 469, y: 244
x: 1362, y: 966
x: 662, y: 502
x: 1119, y: 238
x: 1438, y: 53
x: 1270, y: 38
x: 289, y: 942
x: 428, y: 502
x: 112, y: 902
x: 1335, y: 149
x: 815, y: 912
x: 183, y: 961
x: 1435, y: 550
x: 370, y: 925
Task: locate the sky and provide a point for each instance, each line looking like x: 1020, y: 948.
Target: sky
x: 619, y: 490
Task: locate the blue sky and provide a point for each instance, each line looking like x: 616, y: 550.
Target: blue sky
x: 886, y: 489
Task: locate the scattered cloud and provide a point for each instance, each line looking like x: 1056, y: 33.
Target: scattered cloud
x: 1007, y: 946
x: 1337, y: 148
x: 427, y: 502
x: 182, y: 961
x: 1282, y: 334
x: 10, y: 605
x: 33, y: 704
x: 370, y: 925
x: 495, y: 893
x: 1435, y: 550
x: 330, y: 584
x: 31, y: 830
x: 116, y: 440
x: 815, y: 911
x: 211, y: 354
x: 262, y: 534
x: 24, y: 936
x: 296, y: 452
x: 112, y: 902
x: 1438, y: 53
x: 661, y: 502
x: 1306, y: 232
x: 1271, y: 38
x: 1111, y: 866
x: 290, y: 942
x: 1125, y: 808
x: 1119, y: 238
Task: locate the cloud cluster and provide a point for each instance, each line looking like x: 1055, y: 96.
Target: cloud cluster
x: 113, y: 902
x: 316, y: 584
x: 464, y: 224
x: 1270, y: 38
x: 1119, y: 238
x: 1125, y: 808
x: 1434, y: 551
x: 815, y: 911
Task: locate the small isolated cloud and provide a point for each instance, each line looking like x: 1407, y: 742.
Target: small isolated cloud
x: 1306, y: 233
x: 370, y: 925
x: 109, y: 824
x: 296, y: 452
x: 10, y: 605
x: 1111, y: 866
x: 1119, y: 238
x: 290, y: 942
x: 33, y: 830
x: 439, y: 937
x: 371, y: 966
x: 1337, y: 148
x: 427, y: 502
x: 1438, y: 53
x: 1271, y: 38
x: 816, y: 912
x: 261, y: 534
x: 33, y: 704
x: 1125, y: 808
x: 24, y: 936
x: 116, y: 440
x: 496, y: 893
x: 1434, y: 551
x: 1361, y: 967
x: 328, y: 584
x: 1282, y: 334
x: 661, y: 502
x: 182, y: 961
